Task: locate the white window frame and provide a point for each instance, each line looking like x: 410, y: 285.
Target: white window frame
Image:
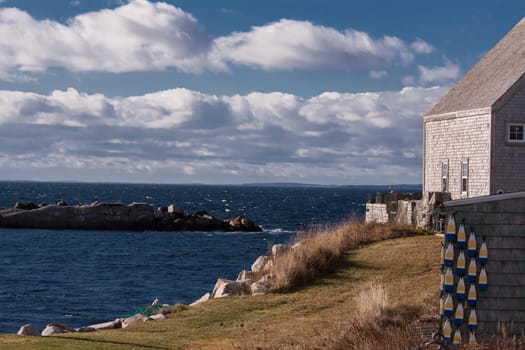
x: 444, y: 176
x: 464, y: 183
x: 510, y: 132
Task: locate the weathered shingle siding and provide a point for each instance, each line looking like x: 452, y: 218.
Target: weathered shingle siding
x: 500, y: 224
x: 457, y: 137
x: 508, y: 164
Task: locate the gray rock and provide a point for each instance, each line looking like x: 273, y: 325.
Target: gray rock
x: 85, y: 329
x: 107, y: 325
x: 241, y: 223
x: 56, y: 328
x: 262, y: 264
x: 224, y: 288
x: 279, y: 249
x: 202, y: 299
x: 138, y: 318
x: 25, y: 205
x: 157, y: 317
x: 258, y: 288
x: 175, y: 211
x: 245, y: 276
x: 28, y: 330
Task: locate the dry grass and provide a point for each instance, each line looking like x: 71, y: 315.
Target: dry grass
x: 372, y: 301
x: 321, y: 250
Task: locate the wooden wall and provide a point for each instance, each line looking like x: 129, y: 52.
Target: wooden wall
x: 499, y: 220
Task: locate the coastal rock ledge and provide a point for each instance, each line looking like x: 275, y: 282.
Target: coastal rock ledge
x: 116, y: 216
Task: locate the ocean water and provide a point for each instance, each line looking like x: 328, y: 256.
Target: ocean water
x: 84, y: 277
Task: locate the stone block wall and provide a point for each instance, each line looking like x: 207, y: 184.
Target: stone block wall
x: 376, y: 212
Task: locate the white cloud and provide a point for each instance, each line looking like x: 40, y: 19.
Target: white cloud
x: 155, y: 36
x: 422, y: 47
x: 138, y: 36
x: 290, y: 44
x: 441, y: 74
x: 181, y: 135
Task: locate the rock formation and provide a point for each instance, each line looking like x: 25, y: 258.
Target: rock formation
x: 116, y: 216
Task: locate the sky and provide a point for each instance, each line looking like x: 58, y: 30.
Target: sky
x: 328, y: 92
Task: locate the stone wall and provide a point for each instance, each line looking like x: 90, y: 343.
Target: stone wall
x: 454, y: 138
x: 376, y: 212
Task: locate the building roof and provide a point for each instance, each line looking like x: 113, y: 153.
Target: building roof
x: 484, y: 199
x: 488, y: 81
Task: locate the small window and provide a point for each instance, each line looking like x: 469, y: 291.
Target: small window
x: 444, y: 176
x: 464, y: 177
x: 516, y: 133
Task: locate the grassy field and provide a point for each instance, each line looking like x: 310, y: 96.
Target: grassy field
x: 314, y: 316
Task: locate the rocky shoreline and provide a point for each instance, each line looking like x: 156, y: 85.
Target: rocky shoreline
x: 253, y: 282
x: 117, y: 216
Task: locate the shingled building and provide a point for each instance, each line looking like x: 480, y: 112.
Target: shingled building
x: 474, y: 137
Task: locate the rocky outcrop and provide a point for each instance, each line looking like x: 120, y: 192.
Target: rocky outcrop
x: 138, y: 318
x: 202, y: 299
x: 107, y: 325
x: 263, y: 264
x: 224, y: 288
x: 116, y: 216
x: 28, y: 330
x: 254, y: 282
x: 58, y: 328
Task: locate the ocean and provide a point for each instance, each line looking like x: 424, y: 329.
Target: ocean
x: 85, y: 277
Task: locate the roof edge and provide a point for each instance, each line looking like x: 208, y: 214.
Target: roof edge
x: 484, y: 199
x: 503, y: 99
x: 459, y: 114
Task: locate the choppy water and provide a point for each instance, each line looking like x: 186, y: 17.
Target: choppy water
x: 85, y: 277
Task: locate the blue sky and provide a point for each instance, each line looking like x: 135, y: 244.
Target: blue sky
x: 231, y: 91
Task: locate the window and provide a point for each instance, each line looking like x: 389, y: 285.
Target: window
x: 464, y: 176
x: 516, y: 133
x: 444, y: 176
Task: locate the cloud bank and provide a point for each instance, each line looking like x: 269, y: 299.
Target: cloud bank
x: 155, y: 36
x: 181, y: 135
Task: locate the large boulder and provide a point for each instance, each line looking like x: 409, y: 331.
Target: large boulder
x: 225, y: 288
x: 85, y: 329
x: 245, y: 276
x: 176, y: 212
x: 28, y: 330
x: 107, y: 325
x: 56, y: 328
x: 138, y: 318
x: 262, y: 286
x: 241, y: 223
x: 25, y: 206
x: 157, y: 317
x: 51, y: 330
x: 263, y: 264
x: 202, y: 299
x: 279, y: 249
x: 205, y: 222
